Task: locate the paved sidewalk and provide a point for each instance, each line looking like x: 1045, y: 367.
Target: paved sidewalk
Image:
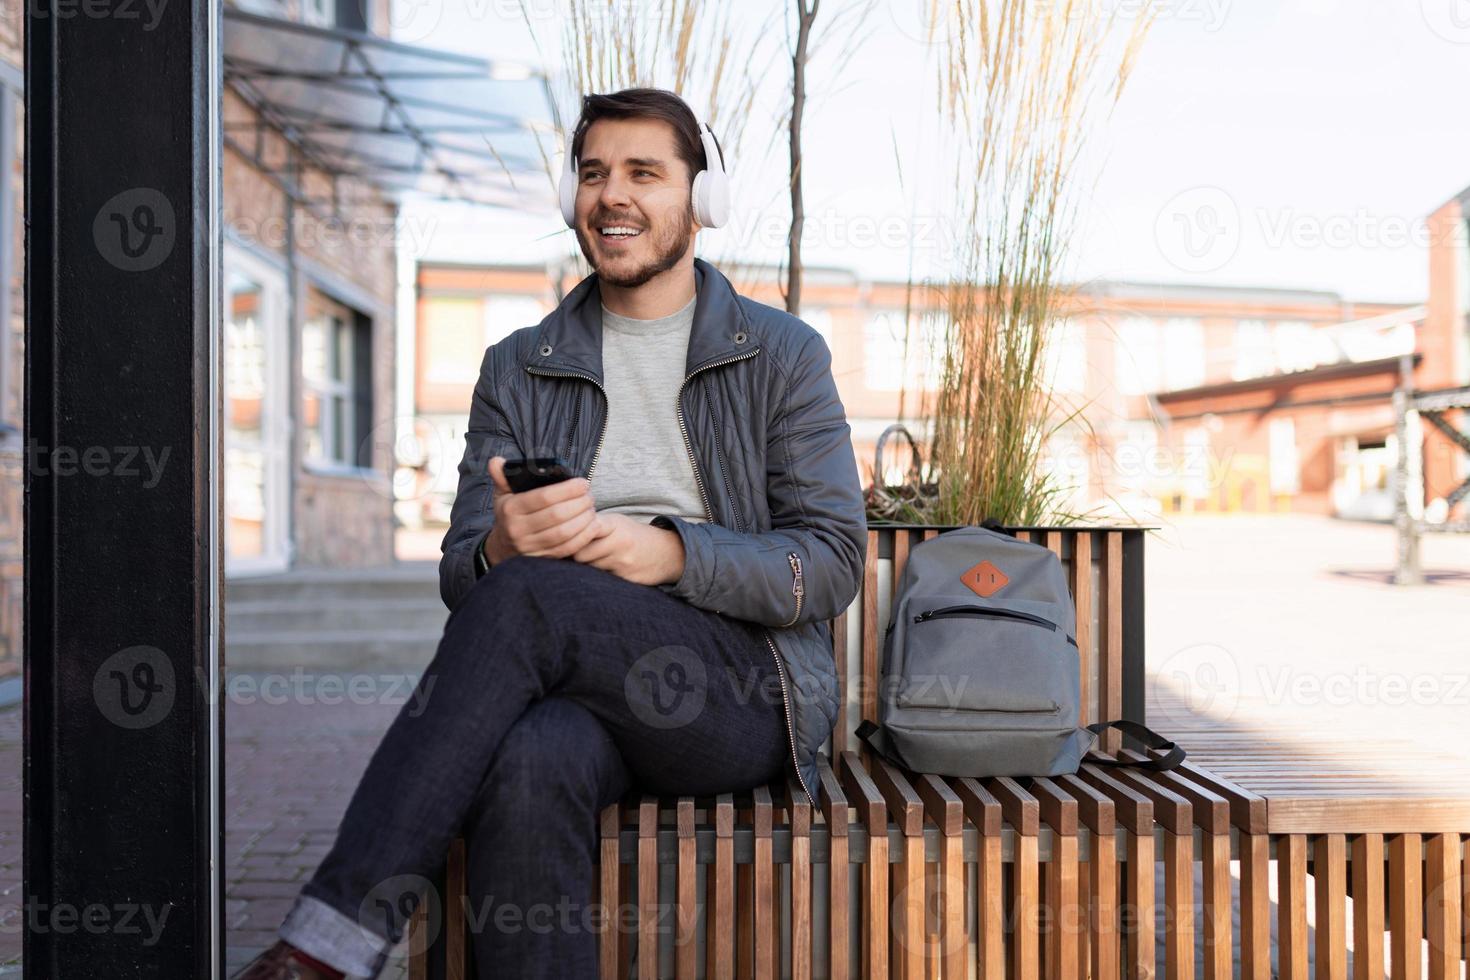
x: 1245, y: 616
x: 290, y: 770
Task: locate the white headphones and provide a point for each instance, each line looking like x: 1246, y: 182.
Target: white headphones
x: 710, y: 193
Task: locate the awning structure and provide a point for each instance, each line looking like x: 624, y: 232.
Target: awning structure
x: 413, y: 121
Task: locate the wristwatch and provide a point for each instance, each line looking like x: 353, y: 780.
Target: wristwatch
x: 482, y: 564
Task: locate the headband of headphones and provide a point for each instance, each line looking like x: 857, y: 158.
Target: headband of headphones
x: 710, y: 193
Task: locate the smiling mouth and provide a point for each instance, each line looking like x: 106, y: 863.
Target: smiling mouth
x: 618, y: 233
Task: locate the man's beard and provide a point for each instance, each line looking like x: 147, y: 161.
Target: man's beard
x: 668, y: 248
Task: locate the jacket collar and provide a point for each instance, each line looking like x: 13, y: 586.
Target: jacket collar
x: 570, y: 338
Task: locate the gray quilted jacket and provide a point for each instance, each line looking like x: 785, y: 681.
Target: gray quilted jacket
x: 785, y: 545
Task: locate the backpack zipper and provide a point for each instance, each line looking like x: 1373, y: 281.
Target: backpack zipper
x: 946, y: 611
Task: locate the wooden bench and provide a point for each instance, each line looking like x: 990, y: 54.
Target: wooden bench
x: 914, y: 876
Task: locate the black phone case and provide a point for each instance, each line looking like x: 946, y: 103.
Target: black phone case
x: 542, y: 471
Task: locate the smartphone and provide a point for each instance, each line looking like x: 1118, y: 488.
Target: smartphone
x: 542, y: 471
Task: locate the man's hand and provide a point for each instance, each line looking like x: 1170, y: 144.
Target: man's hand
x: 553, y: 521
x: 635, y: 551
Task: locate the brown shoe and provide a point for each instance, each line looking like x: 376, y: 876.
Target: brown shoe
x: 277, y: 963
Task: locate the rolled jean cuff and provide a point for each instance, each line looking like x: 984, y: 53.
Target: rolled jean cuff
x: 314, y: 927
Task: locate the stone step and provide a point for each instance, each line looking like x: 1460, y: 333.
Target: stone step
x: 358, y: 650
x: 246, y: 617
x: 403, y: 580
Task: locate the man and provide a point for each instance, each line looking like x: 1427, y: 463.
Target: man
x: 658, y: 621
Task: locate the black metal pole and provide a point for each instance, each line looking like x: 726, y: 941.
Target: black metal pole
x: 122, y: 653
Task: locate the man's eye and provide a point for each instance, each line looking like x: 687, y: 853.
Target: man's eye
x: 646, y: 173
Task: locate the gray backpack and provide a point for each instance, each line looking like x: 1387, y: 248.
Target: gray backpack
x: 981, y: 671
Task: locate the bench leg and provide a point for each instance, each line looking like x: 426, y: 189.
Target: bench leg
x: 1102, y: 888
x: 1291, y: 909
x: 1330, y: 867
x: 1255, y: 907
x: 1368, y: 907
x: 1140, y: 898
x: 1405, y: 901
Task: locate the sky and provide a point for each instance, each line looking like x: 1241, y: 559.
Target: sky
x: 1285, y: 143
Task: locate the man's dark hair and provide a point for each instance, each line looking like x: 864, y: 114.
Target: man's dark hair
x: 646, y: 103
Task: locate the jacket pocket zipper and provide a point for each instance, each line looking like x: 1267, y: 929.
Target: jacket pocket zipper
x: 946, y: 611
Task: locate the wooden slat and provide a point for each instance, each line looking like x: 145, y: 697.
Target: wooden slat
x: 1066, y: 920
x: 1255, y: 907
x: 648, y: 888
x: 799, y: 819
x: 984, y: 811
x: 1095, y: 811
x: 1216, y: 943
x: 1110, y: 669
x: 720, y: 912
x: 1179, y: 904
x: 1023, y: 812
x: 1082, y: 600
x: 686, y: 909
x: 1291, y: 911
x: 835, y: 812
x: 418, y: 945
x: 946, y: 811
x: 1405, y: 906
x: 1135, y: 812
x: 1368, y: 907
x: 871, y: 649
x: 1247, y: 809
x: 1330, y: 873
x: 907, y: 883
x: 873, y: 813
x: 1442, y: 905
x: 764, y: 899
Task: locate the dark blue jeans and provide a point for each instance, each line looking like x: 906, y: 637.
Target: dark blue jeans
x: 555, y: 689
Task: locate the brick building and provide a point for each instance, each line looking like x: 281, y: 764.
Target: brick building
x: 316, y: 165
x: 1166, y: 377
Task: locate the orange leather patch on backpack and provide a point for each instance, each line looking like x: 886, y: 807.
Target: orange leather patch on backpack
x: 984, y: 579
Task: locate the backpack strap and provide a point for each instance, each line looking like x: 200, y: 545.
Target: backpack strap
x: 1150, y: 738
x: 874, y: 738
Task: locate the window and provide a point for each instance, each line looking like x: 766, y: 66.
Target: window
x: 883, y: 351
x: 1135, y: 456
x: 1284, y: 463
x: 336, y: 373
x: 1300, y: 347
x: 820, y: 320
x: 452, y: 340
x: 1136, y: 356
x: 319, y: 13
x: 1184, y: 353
x: 1066, y: 357
x: 1254, y: 356
x: 1194, y: 468
x: 507, y: 313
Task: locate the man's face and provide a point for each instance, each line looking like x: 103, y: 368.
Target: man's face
x: 630, y: 178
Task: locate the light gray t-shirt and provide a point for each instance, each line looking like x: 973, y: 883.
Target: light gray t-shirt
x: 644, y: 469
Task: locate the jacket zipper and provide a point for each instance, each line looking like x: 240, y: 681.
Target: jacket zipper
x: 945, y: 612
x: 603, y: 431
x: 797, y: 588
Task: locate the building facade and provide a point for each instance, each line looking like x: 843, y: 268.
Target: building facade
x: 1189, y: 398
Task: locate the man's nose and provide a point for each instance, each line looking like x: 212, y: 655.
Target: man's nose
x: 614, y: 192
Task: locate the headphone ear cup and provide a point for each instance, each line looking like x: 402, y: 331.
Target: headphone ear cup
x: 567, y: 192
x: 711, y: 195
x: 697, y: 193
